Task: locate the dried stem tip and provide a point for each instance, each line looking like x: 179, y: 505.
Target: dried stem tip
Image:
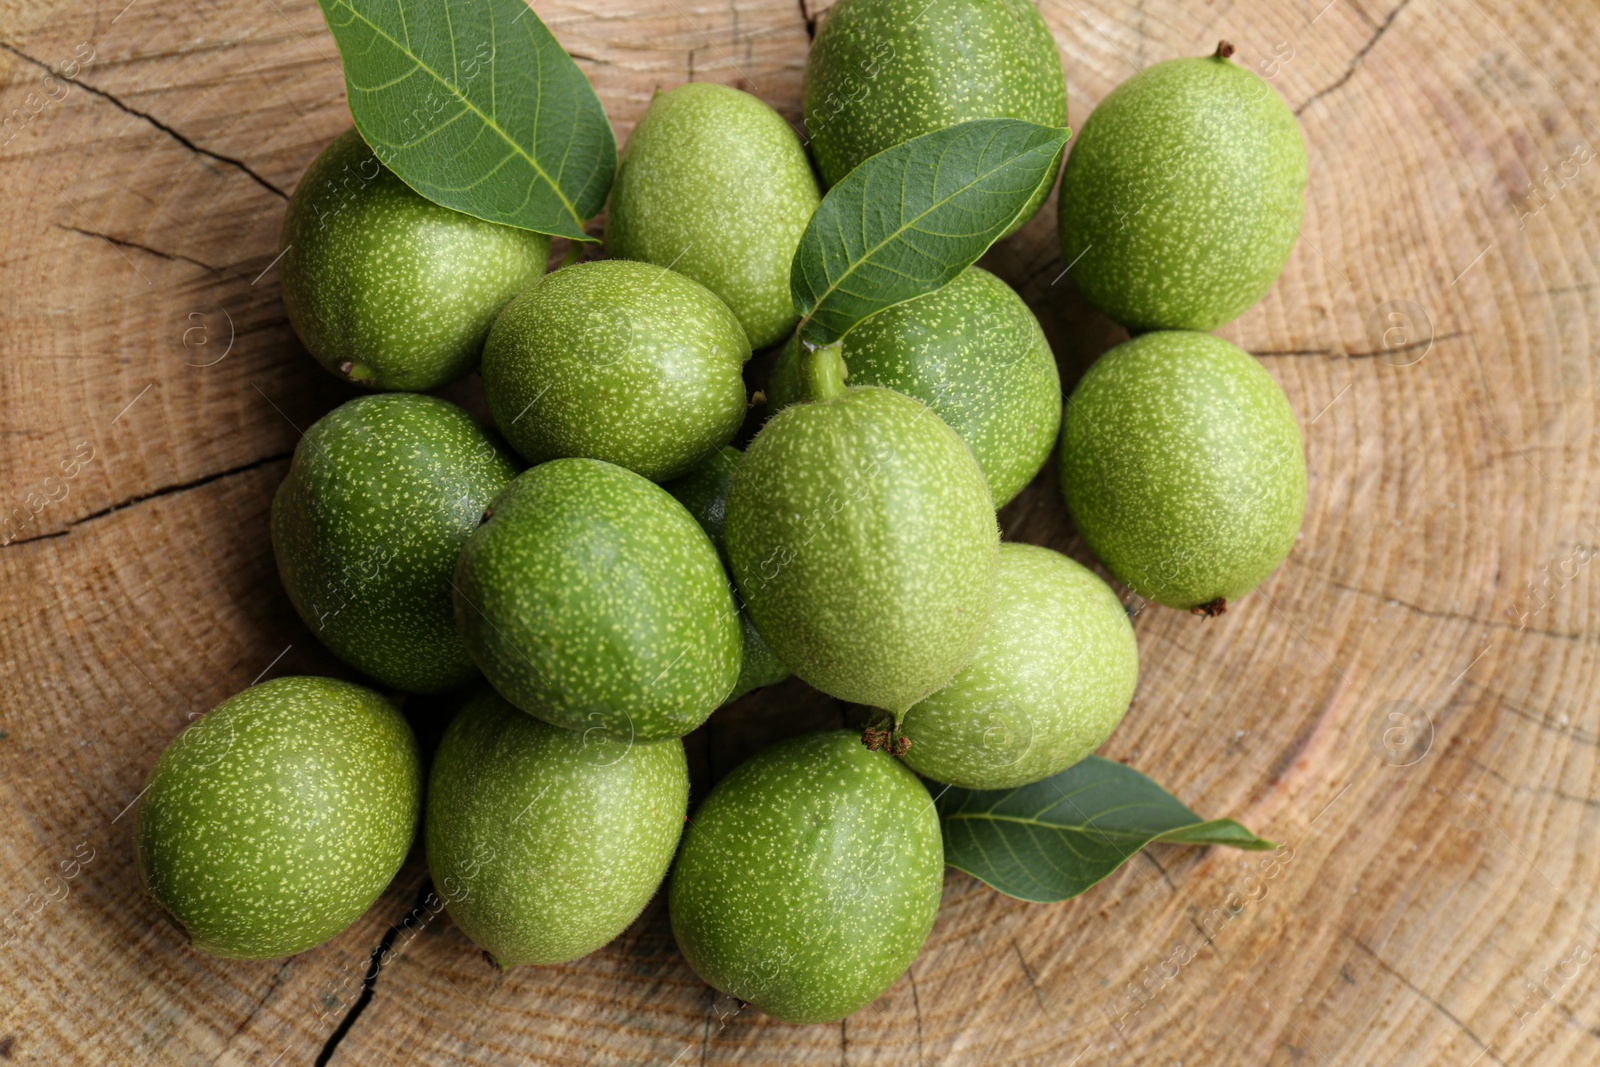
x: 885, y: 740
x: 1224, y: 50
x: 1217, y: 607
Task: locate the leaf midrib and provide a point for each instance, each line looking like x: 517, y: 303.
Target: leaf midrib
x: 1117, y: 835
x: 491, y: 123
x: 834, y: 285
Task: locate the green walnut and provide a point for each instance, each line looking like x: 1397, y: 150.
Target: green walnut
x: 388, y: 289
x: 704, y: 491
x: 546, y: 843
x: 382, y: 494
x: 1183, y: 195
x: 1051, y: 680
x: 974, y: 353
x: 276, y: 819
x: 1182, y: 466
x: 863, y: 540
x: 759, y: 667
x: 714, y: 184
x: 621, y: 361
x: 592, y: 600
x: 881, y: 72
x: 809, y: 878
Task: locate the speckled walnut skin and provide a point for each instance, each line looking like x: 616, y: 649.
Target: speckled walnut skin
x: 277, y: 818
x: 592, y: 600
x: 1049, y: 683
x: 975, y: 354
x: 1183, y: 196
x: 809, y: 878
x: 714, y: 184
x: 621, y: 361
x: 704, y: 491
x: 863, y: 539
x: 367, y: 527
x: 385, y: 288
x: 546, y: 843
x: 1182, y: 466
x: 881, y: 72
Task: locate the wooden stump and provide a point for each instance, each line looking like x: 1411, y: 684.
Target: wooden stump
x: 1407, y: 703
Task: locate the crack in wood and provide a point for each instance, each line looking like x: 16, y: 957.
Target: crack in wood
x: 1165, y: 877
x: 1411, y: 346
x: 1440, y: 1008
x: 1453, y: 616
x: 238, y: 164
x: 1532, y: 790
x: 1027, y: 972
x: 123, y: 242
x: 154, y: 494
x: 810, y: 20
x: 1565, y: 730
x: 1561, y: 290
x: 1355, y: 63
x: 369, y: 980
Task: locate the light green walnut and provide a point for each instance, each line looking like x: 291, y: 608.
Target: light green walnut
x: 386, y: 288
x: 809, y: 878
x: 592, y: 600
x: 627, y: 362
x: 863, y: 539
x: 704, y: 491
x: 1051, y: 680
x: 546, y: 843
x: 278, y: 817
x: 1182, y: 466
x: 714, y: 184
x: 1183, y: 195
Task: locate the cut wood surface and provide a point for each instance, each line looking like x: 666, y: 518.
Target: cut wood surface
x: 1438, y: 904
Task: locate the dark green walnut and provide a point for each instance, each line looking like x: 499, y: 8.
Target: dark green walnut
x: 626, y: 362
x: 881, y: 72
x: 386, y: 288
x: 974, y: 353
x: 275, y: 820
x: 758, y: 667
x: 1050, y: 682
x: 546, y: 843
x: 714, y: 184
x: 1182, y: 466
x: 809, y: 878
x: 592, y: 600
x: 704, y: 491
x: 383, y: 493
x: 1182, y: 197
x: 863, y: 540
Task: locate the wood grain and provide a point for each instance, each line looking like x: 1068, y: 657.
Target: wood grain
x: 1436, y: 913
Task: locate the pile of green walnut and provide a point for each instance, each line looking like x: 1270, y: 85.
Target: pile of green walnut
x: 604, y: 570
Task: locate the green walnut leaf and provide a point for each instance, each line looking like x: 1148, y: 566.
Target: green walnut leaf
x: 1053, y: 839
x: 914, y: 216
x: 475, y: 106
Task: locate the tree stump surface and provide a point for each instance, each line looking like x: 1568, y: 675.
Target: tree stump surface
x: 1407, y: 704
